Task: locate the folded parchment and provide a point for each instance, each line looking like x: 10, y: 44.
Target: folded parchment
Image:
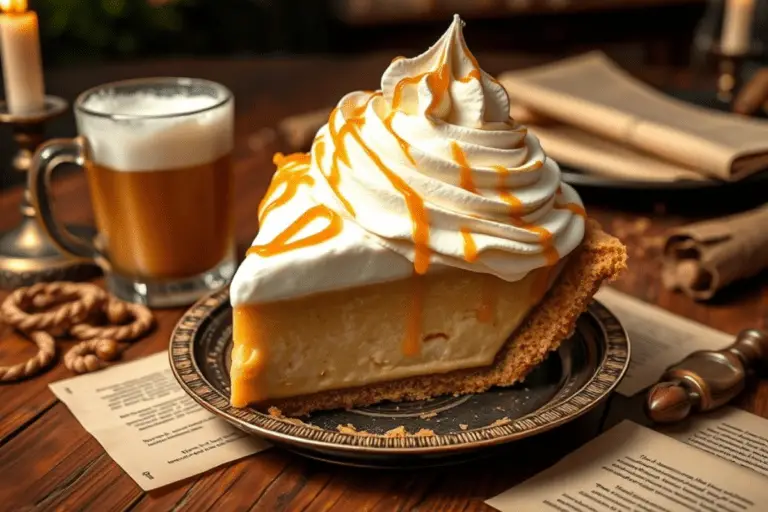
x: 580, y: 149
x: 701, y: 258
x: 594, y: 95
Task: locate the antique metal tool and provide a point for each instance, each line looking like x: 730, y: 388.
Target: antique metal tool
x: 707, y: 379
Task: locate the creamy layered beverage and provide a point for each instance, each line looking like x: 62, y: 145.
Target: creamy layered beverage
x: 161, y: 188
x: 157, y: 154
x: 425, y: 245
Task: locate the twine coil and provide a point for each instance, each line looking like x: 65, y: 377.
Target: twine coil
x: 46, y: 352
x: 44, y: 311
x: 117, y: 312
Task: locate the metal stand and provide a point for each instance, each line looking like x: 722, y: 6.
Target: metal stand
x: 728, y: 77
x: 26, y: 254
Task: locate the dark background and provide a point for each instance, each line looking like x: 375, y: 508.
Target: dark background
x: 85, y: 33
x: 78, y: 31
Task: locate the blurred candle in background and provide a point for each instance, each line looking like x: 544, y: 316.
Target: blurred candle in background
x: 737, y: 27
x: 22, y: 65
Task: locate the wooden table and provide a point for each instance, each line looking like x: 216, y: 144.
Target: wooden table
x: 48, y: 461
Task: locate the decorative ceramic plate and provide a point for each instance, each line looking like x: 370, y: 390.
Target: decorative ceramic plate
x: 572, y: 381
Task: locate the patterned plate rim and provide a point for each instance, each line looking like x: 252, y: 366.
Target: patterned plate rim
x: 606, y: 377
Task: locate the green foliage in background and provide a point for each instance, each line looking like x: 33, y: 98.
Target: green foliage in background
x: 96, y: 30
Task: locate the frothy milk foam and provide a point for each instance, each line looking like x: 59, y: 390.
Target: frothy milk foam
x: 156, y: 143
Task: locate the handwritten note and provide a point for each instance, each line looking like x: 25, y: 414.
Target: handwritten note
x: 149, y: 425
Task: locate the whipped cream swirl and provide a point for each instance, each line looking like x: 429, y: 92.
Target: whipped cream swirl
x: 433, y: 167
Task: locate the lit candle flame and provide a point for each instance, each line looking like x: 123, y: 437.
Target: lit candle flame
x: 13, y: 6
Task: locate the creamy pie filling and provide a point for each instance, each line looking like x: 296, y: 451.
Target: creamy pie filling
x: 355, y: 337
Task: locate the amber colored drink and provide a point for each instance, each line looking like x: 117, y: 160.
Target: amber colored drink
x: 164, y: 223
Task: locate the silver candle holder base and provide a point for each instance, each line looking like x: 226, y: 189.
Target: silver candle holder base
x: 729, y: 84
x: 26, y: 254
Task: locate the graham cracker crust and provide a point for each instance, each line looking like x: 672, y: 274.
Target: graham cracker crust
x: 600, y: 257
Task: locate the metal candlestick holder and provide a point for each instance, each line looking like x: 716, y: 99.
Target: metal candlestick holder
x: 729, y: 69
x: 26, y: 254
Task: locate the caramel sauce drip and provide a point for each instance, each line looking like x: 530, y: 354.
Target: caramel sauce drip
x: 397, y: 95
x: 282, y: 161
x: 283, y: 242
x: 460, y: 158
x: 574, y: 208
x: 247, y: 357
x: 472, y: 75
x: 489, y: 297
x: 545, y: 237
x: 319, y: 151
x: 415, y: 315
x: 339, y: 152
x: 438, y: 82
x: 403, y: 144
x: 413, y: 201
x: 470, y: 249
x: 292, y: 179
x: 359, y: 110
x: 516, y: 208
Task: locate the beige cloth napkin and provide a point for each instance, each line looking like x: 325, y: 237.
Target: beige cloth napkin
x: 657, y: 136
x: 701, y: 258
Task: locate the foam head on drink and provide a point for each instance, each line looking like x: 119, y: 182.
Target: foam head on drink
x: 159, y: 170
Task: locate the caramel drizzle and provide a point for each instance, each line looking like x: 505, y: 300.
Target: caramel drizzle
x: 516, y: 208
x: 293, y: 179
x: 472, y: 75
x: 438, y: 81
x: 470, y: 248
x: 413, y: 201
x: 339, y: 152
x: 460, y: 158
x: 319, y: 151
x: 397, y: 95
x: 574, y: 208
x: 489, y: 297
x: 403, y: 144
x: 282, y: 242
x: 414, y: 314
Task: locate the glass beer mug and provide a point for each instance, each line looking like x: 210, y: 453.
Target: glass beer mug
x: 157, y: 156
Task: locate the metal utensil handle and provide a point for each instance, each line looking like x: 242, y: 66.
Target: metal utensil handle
x: 48, y: 156
x: 707, y: 379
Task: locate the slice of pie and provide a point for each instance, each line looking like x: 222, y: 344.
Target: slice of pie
x: 424, y: 246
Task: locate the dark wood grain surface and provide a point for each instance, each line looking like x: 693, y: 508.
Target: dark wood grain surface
x: 48, y: 461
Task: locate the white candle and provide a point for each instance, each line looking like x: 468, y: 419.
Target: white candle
x: 22, y: 65
x: 737, y: 27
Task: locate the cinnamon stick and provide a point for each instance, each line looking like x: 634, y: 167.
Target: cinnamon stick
x: 701, y: 258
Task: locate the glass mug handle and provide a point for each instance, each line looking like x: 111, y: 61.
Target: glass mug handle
x: 48, y: 157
